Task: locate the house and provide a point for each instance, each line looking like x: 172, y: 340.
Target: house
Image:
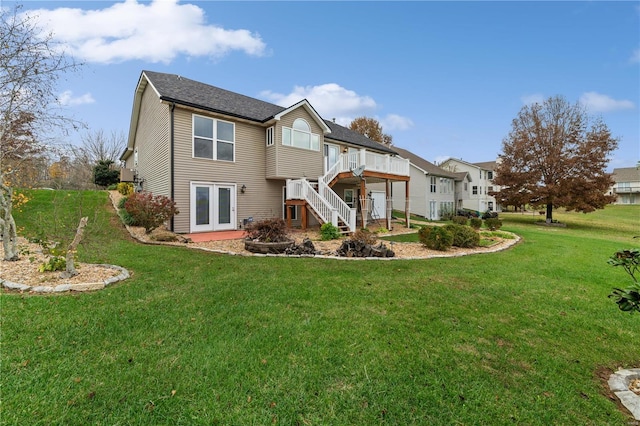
x: 481, y: 183
x: 227, y: 159
x: 627, y: 185
x: 433, y: 191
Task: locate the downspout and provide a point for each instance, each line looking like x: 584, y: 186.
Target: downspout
x: 171, y: 157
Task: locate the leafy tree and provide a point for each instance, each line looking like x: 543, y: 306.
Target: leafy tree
x: 628, y: 299
x: 555, y: 155
x: 30, y: 66
x: 372, y: 129
x: 104, y: 175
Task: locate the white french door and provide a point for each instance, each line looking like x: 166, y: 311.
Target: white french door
x: 213, y: 207
x: 331, y: 155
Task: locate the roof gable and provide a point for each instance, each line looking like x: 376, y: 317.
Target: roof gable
x: 427, y: 166
x: 183, y: 91
x: 626, y: 174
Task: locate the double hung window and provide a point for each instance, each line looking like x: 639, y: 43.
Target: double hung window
x: 300, y: 136
x: 213, y: 139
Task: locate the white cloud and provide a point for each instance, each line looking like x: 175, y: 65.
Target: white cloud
x: 333, y: 101
x: 156, y: 32
x: 330, y: 100
x: 596, y: 102
x: 635, y: 56
x: 536, y: 98
x: 395, y: 122
x: 66, y: 98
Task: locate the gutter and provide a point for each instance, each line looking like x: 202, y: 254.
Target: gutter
x: 171, y: 158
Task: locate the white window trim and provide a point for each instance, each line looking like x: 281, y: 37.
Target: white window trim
x: 312, y: 136
x: 213, y: 140
x: 270, y: 135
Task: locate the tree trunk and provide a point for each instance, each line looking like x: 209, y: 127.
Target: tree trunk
x: 8, y: 224
x: 549, y: 212
x: 71, y: 251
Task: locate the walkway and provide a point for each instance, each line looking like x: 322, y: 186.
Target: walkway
x: 202, y: 237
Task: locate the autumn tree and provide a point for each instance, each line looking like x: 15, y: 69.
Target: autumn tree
x: 371, y: 128
x: 555, y: 155
x: 30, y: 66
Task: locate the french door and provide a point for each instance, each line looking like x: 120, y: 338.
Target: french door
x: 213, y: 207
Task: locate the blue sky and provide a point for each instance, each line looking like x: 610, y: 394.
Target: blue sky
x: 445, y: 79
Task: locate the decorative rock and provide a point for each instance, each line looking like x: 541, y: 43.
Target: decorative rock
x: 619, y: 383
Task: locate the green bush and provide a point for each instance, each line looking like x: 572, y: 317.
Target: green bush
x: 150, y: 211
x: 125, y: 188
x: 112, y: 187
x: 435, y: 237
x: 126, y: 218
x: 459, y: 220
x: 493, y: 223
x: 628, y: 299
x: 55, y: 263
x: 104, y: 175
x: 329, y: 232
x: 463, y: 236
x: 122, y: 201
x: 475, y: 222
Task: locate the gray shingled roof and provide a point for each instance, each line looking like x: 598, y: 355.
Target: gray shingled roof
x: 626, y: 174
x: 427, y: 166
x: 487, y: 165
x: 183, y: 91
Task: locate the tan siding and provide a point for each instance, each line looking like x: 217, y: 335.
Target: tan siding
x: 290, y: 162
x: 262, y: 198
x: 152, y: 142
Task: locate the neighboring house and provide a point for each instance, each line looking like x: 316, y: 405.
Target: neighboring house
x: 227, y: 159
x: 480, y: 182
x: 433, y: 191
x: 627, y: 185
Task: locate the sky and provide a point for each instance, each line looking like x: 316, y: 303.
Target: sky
x: 444, y: 79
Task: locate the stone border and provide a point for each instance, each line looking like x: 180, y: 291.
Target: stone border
x: 619, y: 383
x: 124, y: 274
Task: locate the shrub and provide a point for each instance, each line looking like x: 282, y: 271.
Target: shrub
x: 55, y: 263
x: 127, y: 219
x: 150, y: 211
x: 365, y: 236
x: 122, y: 201
x: 435, y: 237
x: 329, y: 232
x: 459, y: 220
x: 475, y: 222
x: 125, y: 188
x: 112, y: 187
x: 463, y: 236
x: 493, y: 223
x: 628, y: 299
x: 272, y: 230
x: 104, y: 175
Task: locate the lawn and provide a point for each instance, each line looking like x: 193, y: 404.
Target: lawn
x: 515, y: 337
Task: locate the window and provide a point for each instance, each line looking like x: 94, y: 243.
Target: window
x: 269, y: 137
x: 300, y: 136
x: 490, y: 189
x: 489, y: 175
x: 466, y: 186
x: 433, y: 184
x: 213, y: 139
x: 474, y: 190
x: 349, y: 198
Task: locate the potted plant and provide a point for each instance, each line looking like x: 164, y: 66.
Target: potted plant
x: 267, y: 236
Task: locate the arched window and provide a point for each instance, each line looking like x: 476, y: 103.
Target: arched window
x: 300, y: 136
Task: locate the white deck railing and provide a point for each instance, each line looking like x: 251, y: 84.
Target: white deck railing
x: 382, y: 163
x: 325, y: 202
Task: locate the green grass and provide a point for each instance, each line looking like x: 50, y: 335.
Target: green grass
x: 514, y: 337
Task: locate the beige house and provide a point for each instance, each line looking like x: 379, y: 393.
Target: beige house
x: 627, y: 185
x: 480, y: 184
x: 227, y: 159
x: 434, y: 192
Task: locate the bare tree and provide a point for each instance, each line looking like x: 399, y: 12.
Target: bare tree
x: 556, y: 155
x: 371, y: 128
x: 100, y: 147
x: 31, y: 64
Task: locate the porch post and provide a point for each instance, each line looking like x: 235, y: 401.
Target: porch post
x: 387, y: 196
x: 303, y: 214
x: 364, y: 212
x: 406, y: 203
x: 287, y: 214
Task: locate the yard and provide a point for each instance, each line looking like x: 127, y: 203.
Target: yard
x: 516, y: 337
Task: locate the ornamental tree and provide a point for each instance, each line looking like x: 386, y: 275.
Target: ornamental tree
x: 30, y: 66
x: 555, y: 155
